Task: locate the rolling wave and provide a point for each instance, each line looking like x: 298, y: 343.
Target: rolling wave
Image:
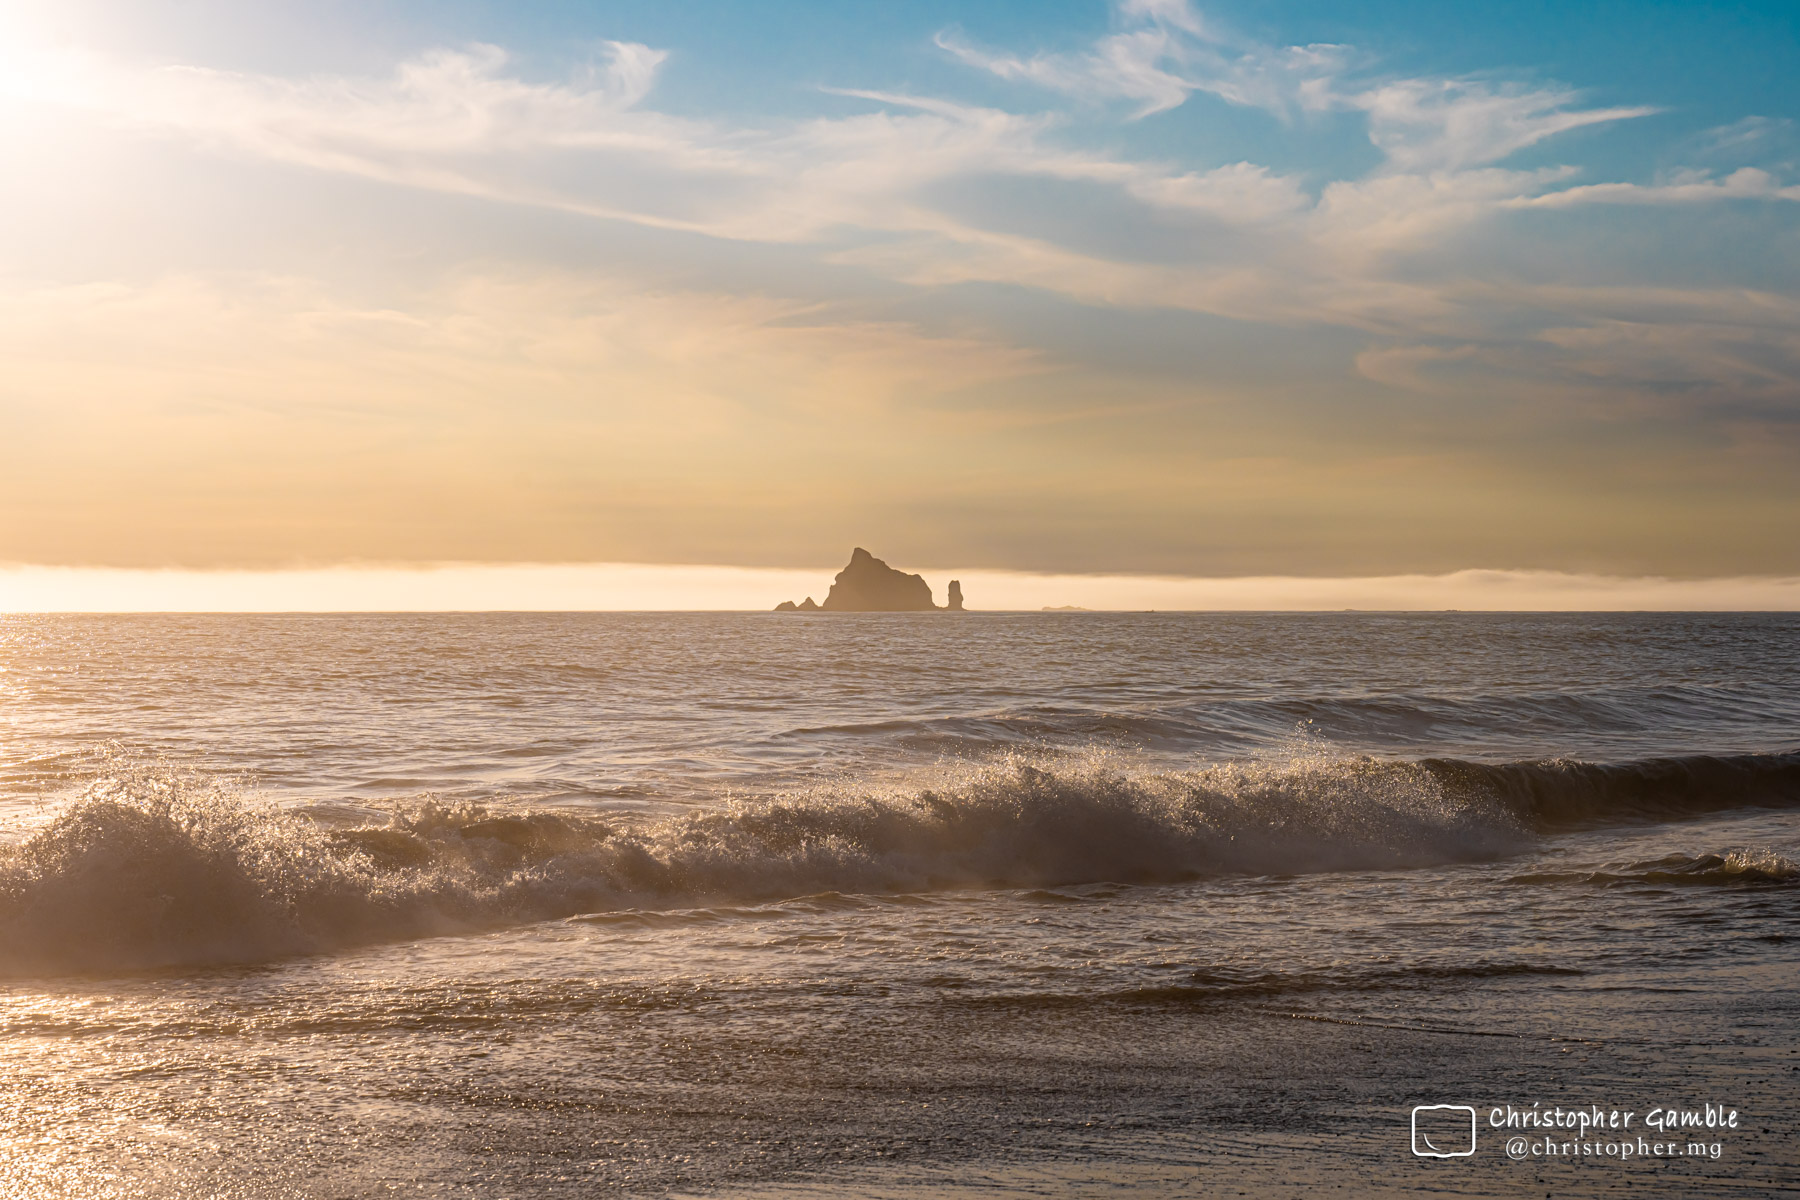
x: 1561, y: 794
x: 1206, y: 987
x: 1741, y: 867
x: 1231, y: 724
x: 155, y: 866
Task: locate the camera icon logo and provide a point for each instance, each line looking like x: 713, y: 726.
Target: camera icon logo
x: 1443, y: 1131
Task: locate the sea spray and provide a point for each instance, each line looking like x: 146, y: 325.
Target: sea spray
x: 157, y: 866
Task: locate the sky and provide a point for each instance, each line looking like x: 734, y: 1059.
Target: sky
x: 1140, y: 290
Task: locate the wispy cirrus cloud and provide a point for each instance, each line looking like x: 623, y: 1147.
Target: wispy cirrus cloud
x: 1451, y: 124
x: 1374, y: 251
x: 1351, y: 252
x: 456, y: 120
x: 1166, y: 52
x: 1130, y: 66
x: 1163, y: 54
x: 1748, y: 135
x: 1685, y: 187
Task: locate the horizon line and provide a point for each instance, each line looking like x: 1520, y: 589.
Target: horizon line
x: 652, y: 587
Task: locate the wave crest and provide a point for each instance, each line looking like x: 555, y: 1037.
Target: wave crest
x: 156, y: 867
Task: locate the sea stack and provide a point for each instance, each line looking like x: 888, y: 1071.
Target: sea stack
x: 953, y: 597
x: 869, y: 585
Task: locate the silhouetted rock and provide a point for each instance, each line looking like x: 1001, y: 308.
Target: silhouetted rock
x: 870, y: 585
x: 953, y: 597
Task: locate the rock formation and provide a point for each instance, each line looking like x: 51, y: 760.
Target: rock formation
x: 869, y: 585
x: 953, y: 597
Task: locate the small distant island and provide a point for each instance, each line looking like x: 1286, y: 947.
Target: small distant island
x: 1065, y: 608
x: 868, y: 584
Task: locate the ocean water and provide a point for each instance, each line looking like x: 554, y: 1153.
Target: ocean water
x: 896, y: 905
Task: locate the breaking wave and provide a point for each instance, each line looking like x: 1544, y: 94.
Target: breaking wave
x: 159, y: 867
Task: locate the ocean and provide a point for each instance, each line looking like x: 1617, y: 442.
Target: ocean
x: 910, y: 905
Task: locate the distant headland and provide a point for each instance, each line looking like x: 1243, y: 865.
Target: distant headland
x: 869, y: 585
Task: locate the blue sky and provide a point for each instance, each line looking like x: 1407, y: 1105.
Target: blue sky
x: 1147, y: 286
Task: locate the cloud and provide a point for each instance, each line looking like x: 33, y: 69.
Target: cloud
x: 1748, y: 135
x: 455, y: 121
x: 1447, y: 124
x: 444, y: 101
x: 1687, y: 187
x: 245, y: 418
x: 1126, y: 66
x: 1726, y: 361
x: 882, y: 183
x: 292, y: 346
x: 1164, y: 53
x: 1176, y: 14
